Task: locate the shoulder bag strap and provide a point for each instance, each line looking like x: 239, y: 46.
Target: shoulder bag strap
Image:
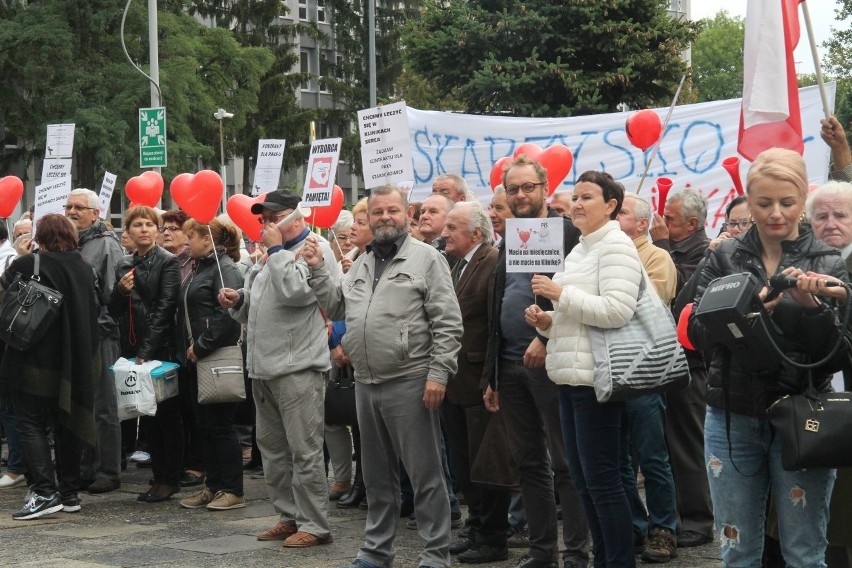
x: 36, y: 259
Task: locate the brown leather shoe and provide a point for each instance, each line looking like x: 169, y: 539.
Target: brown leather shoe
x: 304, y: 540
x: 279, y: 532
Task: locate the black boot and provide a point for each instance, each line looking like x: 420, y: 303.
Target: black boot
x: 352, y: 498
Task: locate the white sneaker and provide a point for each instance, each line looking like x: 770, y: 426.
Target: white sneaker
x: 139, y: 456
x: 6, y: 481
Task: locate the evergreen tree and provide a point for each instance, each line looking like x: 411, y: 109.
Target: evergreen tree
x: 543, y: 58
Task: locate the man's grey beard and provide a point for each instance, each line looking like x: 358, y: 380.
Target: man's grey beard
x: 388, y: 233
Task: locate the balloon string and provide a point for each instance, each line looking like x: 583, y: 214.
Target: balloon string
x: 216, y: 255
x: 662, y: 134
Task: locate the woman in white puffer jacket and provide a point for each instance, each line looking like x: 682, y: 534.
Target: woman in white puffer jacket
x: 599, y: 287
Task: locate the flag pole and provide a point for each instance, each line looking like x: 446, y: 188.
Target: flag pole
x: 825, y: 107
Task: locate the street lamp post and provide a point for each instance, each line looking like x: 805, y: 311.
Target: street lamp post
x: 221, y: 115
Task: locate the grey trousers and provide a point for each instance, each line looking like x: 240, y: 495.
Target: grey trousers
x: 338, y: 440
x: 104, y: 459
x: 290, y: 428
x: 396, y: 425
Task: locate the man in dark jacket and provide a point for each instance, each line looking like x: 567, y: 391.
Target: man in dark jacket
x: 527, y: 396
x: 682, y: 234
x: 467, y: 233
x: 100, y: 467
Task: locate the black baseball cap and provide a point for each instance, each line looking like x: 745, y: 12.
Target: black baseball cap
x: 278, y: 200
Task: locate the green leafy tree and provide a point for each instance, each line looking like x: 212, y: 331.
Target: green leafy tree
x: 717, y: 58
x: 62, y: 61
x: 543, y: 58
x: 838, y: 64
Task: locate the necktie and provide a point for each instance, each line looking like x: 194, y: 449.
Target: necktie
x: 458, y: 271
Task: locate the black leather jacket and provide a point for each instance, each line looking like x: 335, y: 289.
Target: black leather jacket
x: 146, y: 318
x: 808, y: 335
x: 212, y: 325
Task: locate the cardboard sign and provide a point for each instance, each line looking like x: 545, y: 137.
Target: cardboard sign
x: 534, y: 245
x: 267, y: 171
x: 321, y: 172
x: 105, y: 196
x: 60, y: 141
x: 50, y: 198
x: 54, y: 168
x: 385, y: 145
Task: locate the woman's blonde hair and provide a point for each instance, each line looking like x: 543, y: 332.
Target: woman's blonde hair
x: 779, y: 164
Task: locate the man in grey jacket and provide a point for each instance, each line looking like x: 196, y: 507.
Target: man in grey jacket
x: 288, y: 361
x: 100, y: 467
x: 403, y: 334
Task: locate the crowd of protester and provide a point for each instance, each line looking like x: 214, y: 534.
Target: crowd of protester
x: 453, y: 379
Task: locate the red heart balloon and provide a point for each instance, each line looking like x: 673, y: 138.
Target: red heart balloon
x: 199, y: 194
x: 145, y: 189
x: 11, y: 190
x: 531, y: 150
x: 643, y: 128
x: 497, y: 171
x: 239, y: 210
x: 557, y: 160
x: 325, y: 217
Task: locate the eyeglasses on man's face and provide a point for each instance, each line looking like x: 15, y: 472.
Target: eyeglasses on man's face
x: 78, y: 208
x: 272, y: 217
x: 528, y: 187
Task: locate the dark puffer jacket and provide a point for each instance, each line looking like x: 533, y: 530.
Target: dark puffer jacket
x: 808, y: 334
x: 146, y: 318
x: 212, y: 325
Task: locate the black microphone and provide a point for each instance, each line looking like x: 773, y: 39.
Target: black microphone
x: 782, y: 282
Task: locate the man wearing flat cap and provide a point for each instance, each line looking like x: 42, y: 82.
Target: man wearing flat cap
x: 288, y: 362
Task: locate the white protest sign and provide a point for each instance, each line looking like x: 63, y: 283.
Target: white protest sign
x: 51, y: 198
x: 267, y: 171
x: 105, y: 196
x: 698, y: 138
x: 60, y: 141
x: 321, y: 171
x: 54, y: 168
x: 534, y: 245
x: 385, y: 144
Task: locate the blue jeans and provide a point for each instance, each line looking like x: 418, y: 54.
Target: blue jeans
x: 16, y: 458
x: 740, y: 497
x: 646, y: 425
x: 592, y: 433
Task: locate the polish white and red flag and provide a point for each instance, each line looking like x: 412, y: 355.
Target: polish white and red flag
x: 770, y: 115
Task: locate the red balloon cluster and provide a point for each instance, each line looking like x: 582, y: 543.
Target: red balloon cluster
x: 11, y: 190
x: 145, y: 189
x: 198, y: 194
x: 556, y: 159
x: 643, y: 128
x: 239, y: 210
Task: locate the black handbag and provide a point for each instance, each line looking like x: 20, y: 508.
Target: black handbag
x: 340, y: 397
x: 813, y: 428
x: 28, y: 310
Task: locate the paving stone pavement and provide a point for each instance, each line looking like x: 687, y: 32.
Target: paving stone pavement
x: 113, y: 530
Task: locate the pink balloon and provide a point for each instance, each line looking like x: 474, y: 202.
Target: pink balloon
x: 239, y: 210
x: 496, y: 177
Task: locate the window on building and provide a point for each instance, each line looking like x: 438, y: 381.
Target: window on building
x: 305, y: 67
x: 303, y: 10
x: 320, y: 10
x: 323, y: 72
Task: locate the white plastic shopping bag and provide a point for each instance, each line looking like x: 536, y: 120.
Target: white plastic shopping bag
x: 134, y: 388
